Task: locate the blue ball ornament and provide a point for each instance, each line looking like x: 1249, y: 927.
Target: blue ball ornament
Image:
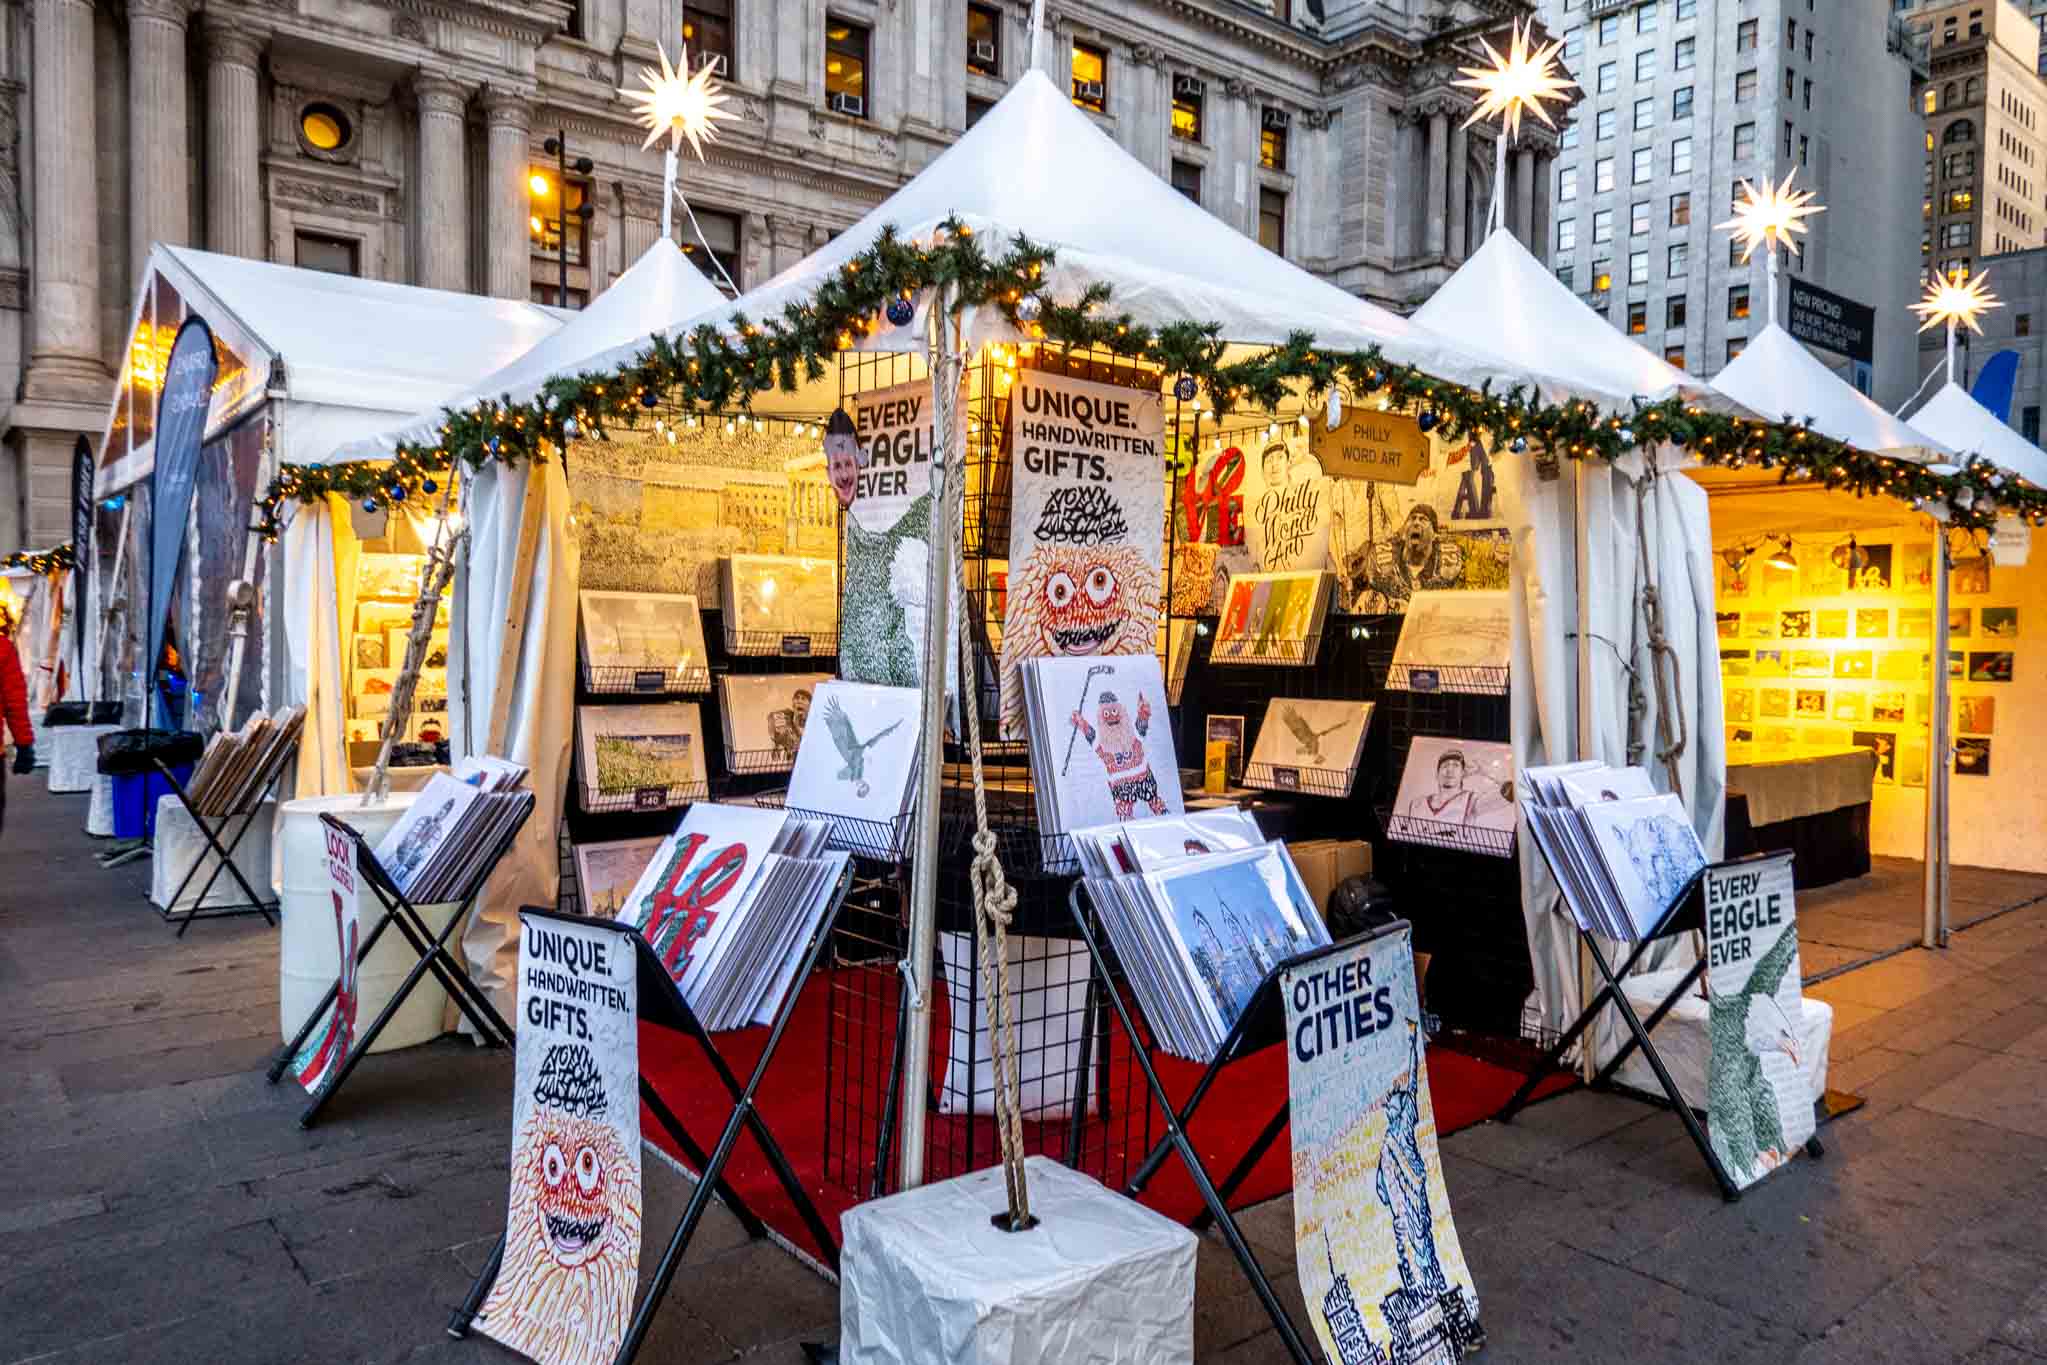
x: 396, y: 492
x: 369, y: 504
x: 1519, y: 445
x: 1185, y: 388
x: 1425, y: 419
x: 901, y: 311
x: 650, y: 399
x: 428, y: 487
x: 1627, y: 435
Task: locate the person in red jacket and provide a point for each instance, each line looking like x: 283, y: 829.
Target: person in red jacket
x: 14, y: 712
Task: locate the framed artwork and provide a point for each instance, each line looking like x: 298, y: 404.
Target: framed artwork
x: 1912, y: 763
x: 1887, y: 708
x: 1854, y: 663
x: 1759, y: 625
x: 1456, y: 793
x: 1774, y: 703
x: 1900, y: 665
x: 1735, y: 663
x: 1727, y: 623
x: 1875, y: 573
x: 1448, y: 631
x: 1999, y: 623
x: 369, y: 651
x: 1320, y: 736
x: 764, y: 718
x: 1794, y: 623
x: 1915, y: 623
x: 1770, y: 664
x: 1990, y: 666
x: 1277, y: 618
x: 643, y: 630
x: 1811, y: 703
x: 1228, y: 730
x: 1915, y: 570
x: 627, y: 750
x: 1832, y: 623
x: 1976, y: 715
x: 1958, y: 619
x: 1885, y: 745
x: 389, y: 576
x: 1972, y: 579
x: 1812, y: 663
x: 1740, y: 704
x: 605, y: 873
x: 1972, y: 757
x: 1872, y: 623
x: 1849, y: 705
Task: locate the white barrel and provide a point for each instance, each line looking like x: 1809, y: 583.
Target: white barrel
x: 74, y: 754
x: 308, y: 956
x: 99, y: 816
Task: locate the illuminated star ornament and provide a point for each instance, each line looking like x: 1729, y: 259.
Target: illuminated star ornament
x: 1519, y: 81
x: 678, y: 104
x: 1771, y: 216
x: 1956, y: 300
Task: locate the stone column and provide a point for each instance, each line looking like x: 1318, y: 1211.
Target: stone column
x: 1523, y: 212
x: 1436, y: 213
x: 639, y: 211
x: 234, y: 196
x: 64, y: 346
x: 159, y: 152
x: 1460, y: 175
x: 440, y: 200
x: 1540, y: 232
x: 509, y: 260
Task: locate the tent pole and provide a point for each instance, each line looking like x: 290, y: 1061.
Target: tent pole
x: 1933, y: 931
x: 943, y: 360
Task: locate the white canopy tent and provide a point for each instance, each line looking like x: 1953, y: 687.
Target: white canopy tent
x: 1965, y: 427
x: 1778, y: 378
x: 513, y: 616
x: 308, y: 360
x: 1588, y: 546
x: 1036, y: 165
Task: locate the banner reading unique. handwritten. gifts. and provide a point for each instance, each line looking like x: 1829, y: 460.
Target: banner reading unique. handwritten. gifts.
x: 1381, y: 1268
x: 324, y: 1052
x: 1086, y: 527
x: 1758, y: 1098
x: 564, y: 1290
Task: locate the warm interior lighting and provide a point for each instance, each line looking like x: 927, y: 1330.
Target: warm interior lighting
x: 1783, y: 557
x: 541, y: 186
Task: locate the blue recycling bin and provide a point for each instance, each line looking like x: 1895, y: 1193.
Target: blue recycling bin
x: 135, y: 797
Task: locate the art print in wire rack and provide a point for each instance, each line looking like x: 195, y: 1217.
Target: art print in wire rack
x: 1758, y: 1096
x: 564, y: 1288
x: 1086, y: 549
x: 884, y: 606
x: 765, y: 717
x: 329, y: 1044
x: 629, y: 631
x: 656, y: 746
x: 1114, y: 757
x: 1389, y: 541
x: 1319, y: 736
x: 1456, y: 793
x: 606, y: 873
x: 1235, y: 917
x: 857, y: 752
x: 1287, y: 507
x: 1382, y: 1270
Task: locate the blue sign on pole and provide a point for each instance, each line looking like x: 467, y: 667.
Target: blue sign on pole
x: 180, y: 428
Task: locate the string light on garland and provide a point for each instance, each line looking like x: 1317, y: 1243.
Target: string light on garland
x: 713, y: 374
x: 42, y: 563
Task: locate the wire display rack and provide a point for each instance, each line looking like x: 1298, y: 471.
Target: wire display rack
x: 652, y: 679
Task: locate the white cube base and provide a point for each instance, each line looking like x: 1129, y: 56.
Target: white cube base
x: 99, y: 816
x: 926, y: 1278
x: 73, y: 752
x: 179, y: 844
x: 1687, y: 1048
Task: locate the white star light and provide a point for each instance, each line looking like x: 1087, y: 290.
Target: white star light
x: 1770, y: 217
x: 1956, y: 301
x: 1519, y: 81
x: 678, y: 104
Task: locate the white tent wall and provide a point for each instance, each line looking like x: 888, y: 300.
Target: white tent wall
x: 535, y: 695
x: 309, y: 620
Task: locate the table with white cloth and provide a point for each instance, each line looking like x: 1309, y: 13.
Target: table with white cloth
x: 179, y: 843
x: 74, y: 755
x: 1813, y: 802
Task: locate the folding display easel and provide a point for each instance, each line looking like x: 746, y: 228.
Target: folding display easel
x: 1261, y: 1025
x: 1686, y: 914
x: 246, y: 805
x: 662, y: 1003
x: 431, y: 948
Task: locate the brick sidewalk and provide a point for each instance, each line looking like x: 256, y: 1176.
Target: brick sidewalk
x: 162, y: 1204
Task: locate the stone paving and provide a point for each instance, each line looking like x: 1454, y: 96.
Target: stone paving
x: 161, y: 1204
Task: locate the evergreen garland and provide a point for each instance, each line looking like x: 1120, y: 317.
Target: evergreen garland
x: 42, y: 562
x: 711, y: 371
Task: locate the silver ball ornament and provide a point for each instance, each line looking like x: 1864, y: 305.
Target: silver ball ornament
x: 1029, y: 308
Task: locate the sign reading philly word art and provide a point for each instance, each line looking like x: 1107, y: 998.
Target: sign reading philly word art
x: 1086, y: 529
x: 1381, y: 1269
x: 564, y: 1290
x: 1758, y: 1097
x: 324, y: 1052
x: 180, y: 427
x: 882, y: 606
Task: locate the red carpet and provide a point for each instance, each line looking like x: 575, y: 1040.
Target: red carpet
x: 828, y: 1130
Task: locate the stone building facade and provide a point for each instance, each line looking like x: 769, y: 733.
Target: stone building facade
x: 406, y: 140
x: 1986, y: 132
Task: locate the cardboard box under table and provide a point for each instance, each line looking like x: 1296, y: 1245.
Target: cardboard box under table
x: 926, y: 1277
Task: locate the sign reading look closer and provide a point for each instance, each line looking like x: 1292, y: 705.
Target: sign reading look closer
x: 1380, y: 1264
x: 1758, y: 1098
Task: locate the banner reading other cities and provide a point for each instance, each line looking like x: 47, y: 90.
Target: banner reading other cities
x: 1381, y: 1269
x: 564, y: 1290
x: 328, y: 1047
x: 1758, y: 1097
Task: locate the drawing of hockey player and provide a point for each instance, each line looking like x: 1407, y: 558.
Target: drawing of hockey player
x: 1119, y: 744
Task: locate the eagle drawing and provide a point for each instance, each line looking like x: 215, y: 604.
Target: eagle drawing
x: 1747, y: 1126
x: 1306, y: 737
x: 851, y: 747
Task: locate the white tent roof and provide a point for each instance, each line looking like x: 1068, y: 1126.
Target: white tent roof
x: 1503, y: 302
x: 362, y: 343
x: 1778, y: 378
x: 1036, y: 165
x: 659, y: 290
x: 1966, y: 427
